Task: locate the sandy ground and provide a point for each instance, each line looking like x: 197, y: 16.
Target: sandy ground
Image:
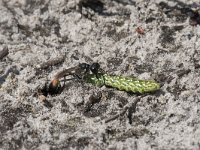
x: 35, y: 31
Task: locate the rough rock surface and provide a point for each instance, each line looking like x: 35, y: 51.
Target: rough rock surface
x: 104, y: 31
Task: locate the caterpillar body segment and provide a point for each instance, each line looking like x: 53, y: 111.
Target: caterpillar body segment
x: 97, y: 80
x: 128, y: 84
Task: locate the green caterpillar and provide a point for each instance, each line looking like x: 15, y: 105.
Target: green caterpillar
x: 128, y: 84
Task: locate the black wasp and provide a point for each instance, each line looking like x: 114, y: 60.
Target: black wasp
x: 94, y: 68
